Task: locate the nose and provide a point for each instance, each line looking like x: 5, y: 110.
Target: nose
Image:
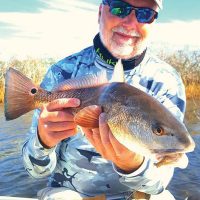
x: 131, y: 21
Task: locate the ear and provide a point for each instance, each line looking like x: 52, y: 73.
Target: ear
x: 99, y: 15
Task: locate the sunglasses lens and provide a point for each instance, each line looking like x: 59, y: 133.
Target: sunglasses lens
x: 145, y: 15
x: 116, y: 11
x: 120, y: 11
x: 123, y: 9
x: 120, y: 8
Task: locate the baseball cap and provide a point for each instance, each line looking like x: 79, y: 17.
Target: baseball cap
x: 159, y: 3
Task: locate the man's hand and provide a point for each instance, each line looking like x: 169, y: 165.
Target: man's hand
x: 56, y: 122
x: 105, y: 143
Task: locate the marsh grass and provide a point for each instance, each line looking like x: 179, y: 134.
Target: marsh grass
x: 34, y: 69
x: 186, y: 63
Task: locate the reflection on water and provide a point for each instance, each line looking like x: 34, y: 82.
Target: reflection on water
x: 16, y: 182
x: 186, y: 182
x: 14, y: 179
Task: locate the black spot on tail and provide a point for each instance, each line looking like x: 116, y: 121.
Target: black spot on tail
x: 33, y: 91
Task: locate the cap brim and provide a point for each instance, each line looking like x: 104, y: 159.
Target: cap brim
x: 159, y: 3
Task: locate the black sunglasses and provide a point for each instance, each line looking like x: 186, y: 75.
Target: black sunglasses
x: 122, y: 9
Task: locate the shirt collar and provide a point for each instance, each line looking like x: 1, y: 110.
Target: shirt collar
x: 109, y: 59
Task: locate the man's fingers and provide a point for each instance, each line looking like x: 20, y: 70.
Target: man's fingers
x: 104, y: 134
x: 57, y: 116
x: 62, y: 103
x: 61, y: 135
x: 101, y: 140
x: 117, y: 146
x: 93, y: 136
x: 89, y: 135
x: 97, y: 141
x: 104, y: 129
x: 59, y: 126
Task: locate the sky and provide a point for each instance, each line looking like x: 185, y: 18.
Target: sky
x: 57, y: 28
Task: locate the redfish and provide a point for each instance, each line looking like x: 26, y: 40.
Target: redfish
x: 136, y: 119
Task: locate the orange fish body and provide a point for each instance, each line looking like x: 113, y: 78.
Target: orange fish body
x: 136, y: 119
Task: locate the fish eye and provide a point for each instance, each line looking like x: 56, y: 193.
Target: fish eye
x: 33, y: 91
x: 158, y: 130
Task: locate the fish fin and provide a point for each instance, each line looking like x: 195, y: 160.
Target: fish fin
x: 90, y: 80
x: 118, y: 73
x: 140, y: 195
x: 18, y: 98
x: 99, y: 197
x: 88, y: 117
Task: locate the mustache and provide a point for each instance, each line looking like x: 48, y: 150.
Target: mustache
x: 132, y: 33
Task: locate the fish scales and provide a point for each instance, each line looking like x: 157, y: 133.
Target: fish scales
x: 136, y: 119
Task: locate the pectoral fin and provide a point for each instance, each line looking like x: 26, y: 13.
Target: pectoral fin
x: 99, y: 197
x: 88, y: 117
x: 137, y: 195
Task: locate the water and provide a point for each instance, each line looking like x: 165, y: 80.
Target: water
x: 186, y: 182
x: 14, y: 180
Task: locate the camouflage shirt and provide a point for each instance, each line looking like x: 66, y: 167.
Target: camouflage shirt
x: 74, y: 163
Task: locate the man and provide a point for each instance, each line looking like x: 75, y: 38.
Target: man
x: 96, y: 163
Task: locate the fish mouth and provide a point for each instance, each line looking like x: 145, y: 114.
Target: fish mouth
x: 188, y: 149
x: 174, y: 157
x: 176, y: 160
x: 168, y: 151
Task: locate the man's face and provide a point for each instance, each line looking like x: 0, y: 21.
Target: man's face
x: 124, y: 37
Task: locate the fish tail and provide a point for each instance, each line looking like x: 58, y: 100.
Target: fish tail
x: 19, y: 94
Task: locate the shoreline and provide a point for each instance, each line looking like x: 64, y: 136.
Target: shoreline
x: 186, y: 63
